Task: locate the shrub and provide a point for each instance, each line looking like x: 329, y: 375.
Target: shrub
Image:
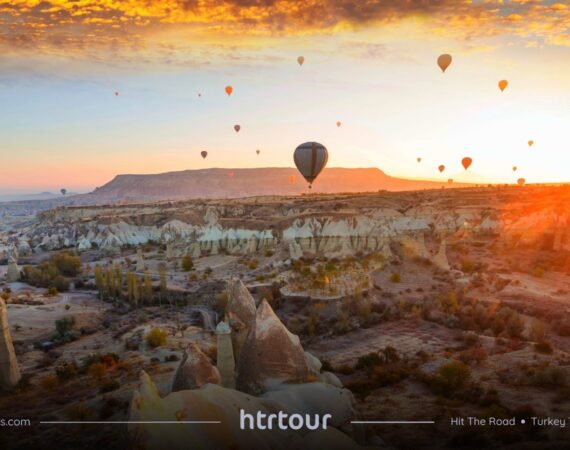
x: 369, y: 361
x: 543, y: 347
x: 187, y: 263
x: 64, y: 325
x: 109, y: 386
x: 49, y: 382
x: 395, y: 277
x: 538, y: 272
x: 467, y: 266
x: 550, y: 377
x: 451, y: 377
x: 66, y: 371
x: 156, y: 338
x: 97, y: 370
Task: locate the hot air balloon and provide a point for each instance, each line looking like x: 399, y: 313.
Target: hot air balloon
x: 466, y: 162
x: 444, y: 61
x: 199, y: 94
x: 116, y: 93
x: 515, y: 168
x: 503, y: 85
x: 441, y: 168
x: 230, y: 173
x: 229, y: 90
x: 530, y: 143
x: 301, y: 60
x: 237, y: 128
x: 258, y: 151
x: 419, y: 160
x: 338, y: 124
x: 310, y: 158
x: 521, y: 181
x: 63, y: 191
x: 204, y: 153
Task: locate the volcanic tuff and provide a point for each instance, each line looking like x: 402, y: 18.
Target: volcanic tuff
x: 333, y: 225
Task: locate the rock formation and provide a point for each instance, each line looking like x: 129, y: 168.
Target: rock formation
x: 270, y: 355
x: 13, y: 272
x: 440, y: 258
x: 9, y: 370
x: 194, y: 371
x: 169, y: 251
x: 240, y: 313
x: 225, y: 357
x: 141, y: 266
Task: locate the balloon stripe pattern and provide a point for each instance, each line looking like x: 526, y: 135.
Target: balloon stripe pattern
x: 311, y: 158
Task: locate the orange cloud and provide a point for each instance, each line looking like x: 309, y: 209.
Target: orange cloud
x: 79, y: 24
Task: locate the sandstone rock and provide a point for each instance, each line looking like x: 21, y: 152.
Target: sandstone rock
x: 313, y: 363
x: 13, y: 273
x: 440, y: 259
x: 9, y: 370
x: 270, y: 355
x: 240, y: 312
x: 225, y: 358
x: 330, y: 378
x: 194, y: 371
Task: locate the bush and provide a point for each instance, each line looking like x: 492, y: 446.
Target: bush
x: 97, y: 371
x: 187, y: 263
x: 451, y: 377
x: 156, y: 338
x: 49, y: 382
x: 66, y: 371
x: 64, y: 325
x: 550, y: 377
x: 538, y: 272
x: 395, y: 277
x: 543, y: 347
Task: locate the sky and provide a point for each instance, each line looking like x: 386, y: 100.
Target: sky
x: 369, y: 64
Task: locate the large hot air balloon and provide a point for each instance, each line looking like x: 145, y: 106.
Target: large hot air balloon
x: 503, y: 85
x: 301, y: 60
x: 419, y: 159
x: 521, y: 181
x: 237, y: 128
x: 530, y: 143
x: 466, y: 162
x: 515, y: 168
x: 338, y: 124
x: 444, y: 61
x: 310, y: 158
x: 258, y: 151
x: 63, y: 191
x: 441, y: 168
x: 229, y: 90
x: 204, y: 153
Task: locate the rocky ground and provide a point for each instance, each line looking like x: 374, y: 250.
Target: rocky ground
x: 472, y: 282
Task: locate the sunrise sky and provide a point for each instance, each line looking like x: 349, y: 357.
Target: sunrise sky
x: 369, y: 64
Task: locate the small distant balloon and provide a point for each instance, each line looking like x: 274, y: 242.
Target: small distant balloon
x: 258, y: 151
x: 199, y: 94
x: 444, y: 61
x: 301, y: 60
x: 466, y: 162
x: 441, y: 168
x: 515, y: 168
x: 116, y: 93
x: 338, y: 124
x: 530, y: 143
x: 418, y: 159
x: 230, y: 173
x: 204, y: 153
x: 237, y: 128
x: 310, y: 158
x: 503, y: 85
x: 521, y: 181
x: 229, y: 90
x: 63, y: 191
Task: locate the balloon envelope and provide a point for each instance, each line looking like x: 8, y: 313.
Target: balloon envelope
x: 116, y: 93
x: 230, y: 173
x: 237, y: 128
x: 204, y: 154
x: 229, y: 90
x: 444, y: 61
x: 521, y: 181
x: 258, y: 151
x: 441, y: 168
x: 530, y: 143
x: 301, y: 60
x: 310, y: 158
x: 419, y: 160
x: 466, y: 162
x: 503, y: 85
x: 515, y: 168
x: 63, y: 191
x: 338, y: 124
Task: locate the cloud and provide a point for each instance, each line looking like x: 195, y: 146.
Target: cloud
x: 88, y: 26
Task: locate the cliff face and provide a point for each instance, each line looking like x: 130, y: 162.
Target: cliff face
x: 331, y: 225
